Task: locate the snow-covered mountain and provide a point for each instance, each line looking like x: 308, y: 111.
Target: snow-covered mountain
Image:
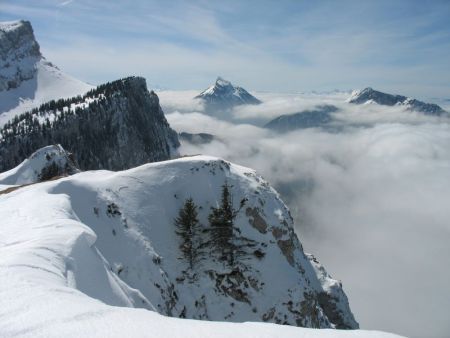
x: 369, y: 95
x: 313, y: 118
x: 95, y: 241
x: 222, y: 95
x: 115, y: 126
x: 27, y: 79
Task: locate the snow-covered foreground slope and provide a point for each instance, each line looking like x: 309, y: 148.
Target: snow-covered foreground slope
x: 80, y: 255
x: 27, y: 79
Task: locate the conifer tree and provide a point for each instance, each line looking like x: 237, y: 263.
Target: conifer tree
x: 188, y: 225
x: 222, y: 229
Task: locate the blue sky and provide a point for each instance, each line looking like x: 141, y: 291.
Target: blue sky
x: 398, y: 45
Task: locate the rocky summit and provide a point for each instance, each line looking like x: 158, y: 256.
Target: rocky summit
x: 369, y: 95
x: 223, y: 95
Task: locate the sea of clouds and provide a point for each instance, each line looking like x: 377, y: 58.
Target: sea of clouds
x: 371, y: 199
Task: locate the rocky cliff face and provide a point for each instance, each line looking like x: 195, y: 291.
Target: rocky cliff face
x: 19, y: 53
x: 115, y: 126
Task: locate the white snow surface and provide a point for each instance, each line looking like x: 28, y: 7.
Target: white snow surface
x: 69, y: 268
x: 48, y: 83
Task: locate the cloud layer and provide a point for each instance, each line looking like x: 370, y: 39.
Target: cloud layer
x: 370, y: 201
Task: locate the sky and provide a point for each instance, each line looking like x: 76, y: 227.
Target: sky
x: 400, y: 46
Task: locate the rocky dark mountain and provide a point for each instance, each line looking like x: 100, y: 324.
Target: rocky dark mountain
x: 369, y: 95
x: 115, y: 126
x: 223, y: 95
x: 317, y: 117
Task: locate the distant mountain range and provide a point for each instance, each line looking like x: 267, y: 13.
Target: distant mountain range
x: 369, y: 95
x: 222, y: 95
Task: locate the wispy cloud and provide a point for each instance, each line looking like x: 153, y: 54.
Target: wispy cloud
x: 396, y: 46
x: 65, y: 3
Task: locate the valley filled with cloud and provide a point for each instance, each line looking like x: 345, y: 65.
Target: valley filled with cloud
x: 369, y: 196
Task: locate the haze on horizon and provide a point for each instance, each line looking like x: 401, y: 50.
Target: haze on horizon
x: 399, y: 47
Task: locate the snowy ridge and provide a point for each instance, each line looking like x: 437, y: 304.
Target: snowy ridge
x: 371, y: 96
x: 27, y: 79
x: 43, y: 164
x: 86, y: 251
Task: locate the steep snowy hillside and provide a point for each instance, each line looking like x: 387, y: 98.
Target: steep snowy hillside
x: 78, y: 254
x: 27, y: 79
x: 222, y: 95
x: 115, y: 126
x: 369, y: 95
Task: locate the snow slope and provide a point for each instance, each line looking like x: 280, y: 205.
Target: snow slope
x: 79, y: 256
x: 27, y: 79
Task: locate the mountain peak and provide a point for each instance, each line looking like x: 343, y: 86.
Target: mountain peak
x: 224, y: 96
x: 370, y: 95
x: 9, y: 26
x: 220, y: 81
x: 367, y: 90
x: 19, y: 53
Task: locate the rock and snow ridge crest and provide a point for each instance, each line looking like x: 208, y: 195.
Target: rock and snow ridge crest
x: 122, y: 248
x: 44, y: 164
x: 369, y: 95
